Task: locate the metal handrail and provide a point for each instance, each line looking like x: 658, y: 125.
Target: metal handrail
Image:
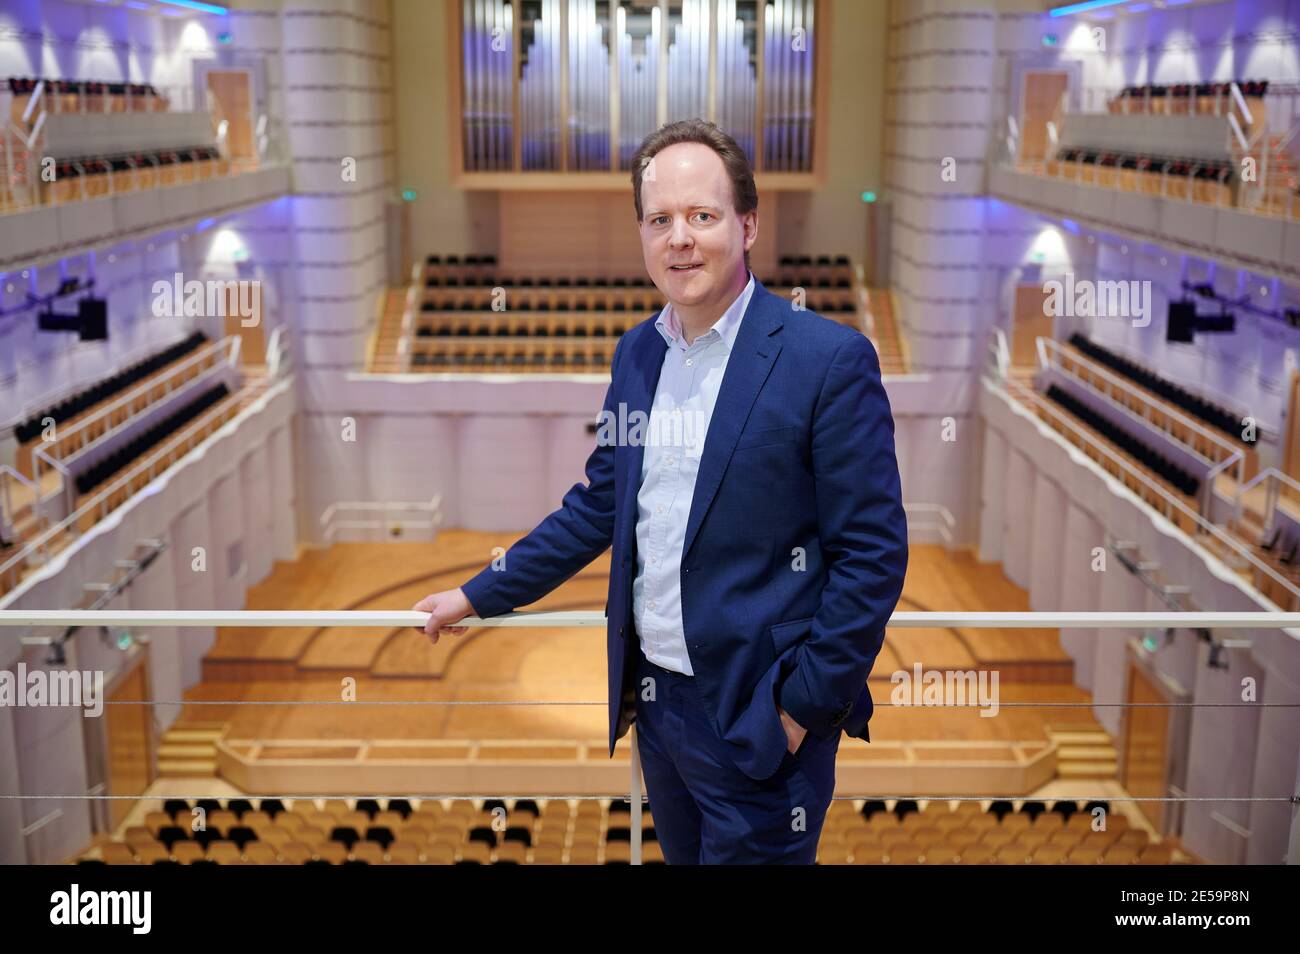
x: 947, y: 524
x: 47, y: 455
x: 6, y: 501
x: 330, y: 526
x: 1271, y: 493
x: 188, y: 621
x: 1233, y: 454
x: 1240, y: 101
x: 575, y: 619
x: 1198, y: 521
x: 999, y: 354
x: 40, y: 543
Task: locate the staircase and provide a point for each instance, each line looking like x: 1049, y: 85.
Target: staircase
x: 885, y: 335
x: 189, y: 750
x: 1083, y: 753
x: 384, y: 358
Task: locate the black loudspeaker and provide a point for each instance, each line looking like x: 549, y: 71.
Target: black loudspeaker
x: 1182, y: 322
x: 92, y: 314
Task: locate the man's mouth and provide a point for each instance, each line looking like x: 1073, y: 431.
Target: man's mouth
x: 684, y: 268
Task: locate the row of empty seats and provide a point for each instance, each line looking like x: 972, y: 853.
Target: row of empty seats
x: 1221, y: 172
x: 783, y: 261
x: 81, y: 95
x: 482, y: 361
x: 91, y: 177
x: 1000, y: 834
x: 560, y: 323
x: 396, y: 831
x: 1193, y: 404
x: 77, y: 404
x: 1210, y: 182
x: 1200, y: 96
x: 1176, y: 476
x: 120, y: 458
x: 525, y: 304
x: 522, y: 329
x: 469, y: 271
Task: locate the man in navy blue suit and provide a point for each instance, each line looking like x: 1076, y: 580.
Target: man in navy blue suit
x: 746, y: 479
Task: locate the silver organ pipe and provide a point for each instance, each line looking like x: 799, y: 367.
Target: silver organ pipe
x: 680, y: 36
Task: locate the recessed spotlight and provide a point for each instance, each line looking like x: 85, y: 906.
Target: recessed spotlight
x: 1091, y: 240
x: 1263, y: 290
x: 112, y: 259
x: 1123, y: 249
x: 1163, y: 260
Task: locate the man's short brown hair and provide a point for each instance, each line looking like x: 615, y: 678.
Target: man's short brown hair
x: 744, y: 194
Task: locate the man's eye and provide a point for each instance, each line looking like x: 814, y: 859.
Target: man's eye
x: 710, y: 214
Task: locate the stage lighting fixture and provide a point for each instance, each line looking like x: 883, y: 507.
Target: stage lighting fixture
x: 1181, y: 325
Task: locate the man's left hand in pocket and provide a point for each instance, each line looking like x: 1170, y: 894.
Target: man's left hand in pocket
x: 794, y: 732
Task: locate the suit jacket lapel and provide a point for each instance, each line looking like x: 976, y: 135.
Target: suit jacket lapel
x: 752, y: 356
x: 748, y: 366
x: 643, y: 380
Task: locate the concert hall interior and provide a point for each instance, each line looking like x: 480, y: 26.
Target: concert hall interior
x: 311, y: 305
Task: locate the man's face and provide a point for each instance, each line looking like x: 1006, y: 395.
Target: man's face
x: 686, y: 200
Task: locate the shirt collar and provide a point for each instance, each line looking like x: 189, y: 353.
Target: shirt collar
x: 727, y: 327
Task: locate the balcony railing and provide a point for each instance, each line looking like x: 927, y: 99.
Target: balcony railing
x: 388, y: 619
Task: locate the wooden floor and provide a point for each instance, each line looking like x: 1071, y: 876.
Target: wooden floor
x: 493, y: 664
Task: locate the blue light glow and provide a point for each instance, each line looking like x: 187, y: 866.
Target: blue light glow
x: 196, y: 5
x: 1083, y: 7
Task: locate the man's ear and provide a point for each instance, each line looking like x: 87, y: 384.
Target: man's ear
x: 750, y: 222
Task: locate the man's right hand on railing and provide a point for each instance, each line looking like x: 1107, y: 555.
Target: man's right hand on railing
x: 444, y: 609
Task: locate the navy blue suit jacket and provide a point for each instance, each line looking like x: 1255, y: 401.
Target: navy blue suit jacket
x: 796, y: 542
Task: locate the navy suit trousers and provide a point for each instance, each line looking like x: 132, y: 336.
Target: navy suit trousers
x: 706, y: 810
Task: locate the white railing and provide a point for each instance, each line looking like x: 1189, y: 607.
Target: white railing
x: 1266, y: 431
x: 7, y: 518
x: 37, y: 550
x: 23, y: 142
x: 1275, y: 479
x: 570, y: 619
x: 1262, y: 195
x: 941, y: 520
x: 191, y: 620
x: 1257, y: 194
x: 1054, y: 356
x: 134, y: 402
x: 998, y: 354
x: 1240, y: 102
x: 47, y: 399
x: 278, y: 355
x: 344, y: 519
x: 1172, y: 505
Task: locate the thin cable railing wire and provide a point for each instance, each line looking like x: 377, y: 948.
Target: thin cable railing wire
x: 1021, y: 797
x: 385, y: 619
x: 547, y: 702
x: 416, y: 620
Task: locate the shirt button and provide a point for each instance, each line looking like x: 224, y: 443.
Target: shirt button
x: 650, y: 605
x: 659, y: 509
x: 689, y: 362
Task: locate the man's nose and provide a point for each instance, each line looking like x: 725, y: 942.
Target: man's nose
x: 680, y: 235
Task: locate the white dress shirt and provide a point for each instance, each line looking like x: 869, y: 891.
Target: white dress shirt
x: 678, y: 422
